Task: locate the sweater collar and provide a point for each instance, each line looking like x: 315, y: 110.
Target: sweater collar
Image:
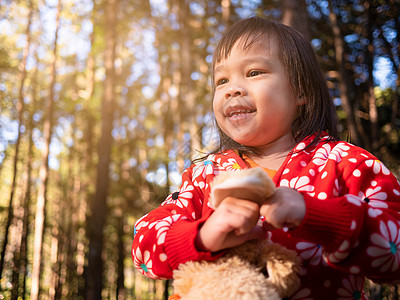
x: 230, y: 160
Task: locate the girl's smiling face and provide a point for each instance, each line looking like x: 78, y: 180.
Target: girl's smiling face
x: 253, y: 102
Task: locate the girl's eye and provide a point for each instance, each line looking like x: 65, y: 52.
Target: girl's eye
x: 254, y: 73
x: 222, y: 81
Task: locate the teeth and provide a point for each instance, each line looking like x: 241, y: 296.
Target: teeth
x: 244, y: 111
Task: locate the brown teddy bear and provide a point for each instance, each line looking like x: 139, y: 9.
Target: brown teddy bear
x: 253, y: 270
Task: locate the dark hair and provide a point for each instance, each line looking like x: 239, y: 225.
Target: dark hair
x: 302, y: 68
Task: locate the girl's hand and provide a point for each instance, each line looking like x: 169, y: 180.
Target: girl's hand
x: 232, y: 223
x: 285, y: 208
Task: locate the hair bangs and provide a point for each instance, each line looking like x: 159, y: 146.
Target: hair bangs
x: 247, y: 33
x: 245, y: 39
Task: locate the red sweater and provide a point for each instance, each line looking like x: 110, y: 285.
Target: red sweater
x: 351, y: 229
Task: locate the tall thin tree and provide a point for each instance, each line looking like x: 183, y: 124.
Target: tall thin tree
x: 44, y: 168
x: 294, y: 14
x: 23, y: 270
x: 186, y: 96
x: 369, y: 57
x: 226, y: 7
x: 343, y: 78
x: 98, y: 207
x: 20, y: 256
x: 20, y: 110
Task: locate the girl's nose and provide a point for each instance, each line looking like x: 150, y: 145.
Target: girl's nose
x: 234, y: 91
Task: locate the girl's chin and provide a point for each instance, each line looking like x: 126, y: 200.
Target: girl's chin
x: 242, y: 135
x: 244, y: 142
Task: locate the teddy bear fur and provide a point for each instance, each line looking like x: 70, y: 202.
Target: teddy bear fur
x: 254, y: 270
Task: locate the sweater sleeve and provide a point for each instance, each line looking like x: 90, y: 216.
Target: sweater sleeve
x: 358, y: 227
x: 164, y: 238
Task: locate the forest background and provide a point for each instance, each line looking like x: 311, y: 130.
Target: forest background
x: 103, y: 104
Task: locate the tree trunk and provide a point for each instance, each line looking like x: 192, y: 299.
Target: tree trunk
x: 25, y: 227
x: 121, y: 291
x: 69, y: 279
x: 15, y: 243
x: 28, y: 193
x: 343, y: 79
x: 396, y: 101
x: 96, y: 222
x: 294, y: 14
x: 187, y: 97
x: 20, y: 110
x: 20, y: 258
x: 56, y: 245
x: 83, y: 203
x: 88, y: 166
x: 370, y: 95
x: 43, y: 172
x: 226, y: 12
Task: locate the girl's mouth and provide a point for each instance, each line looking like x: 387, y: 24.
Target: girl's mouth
x: 235, y: 112
x: 240, y: 112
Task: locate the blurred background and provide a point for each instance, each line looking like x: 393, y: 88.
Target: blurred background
x: 103, y: 103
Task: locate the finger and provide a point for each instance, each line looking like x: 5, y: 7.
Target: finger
x: 274, y: 217
x: 256, y: 233
x: 264, y: 210
x: 241, y: 215
x: 240, y: 204
x: 244, y: 223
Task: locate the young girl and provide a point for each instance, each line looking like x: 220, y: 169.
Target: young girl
x: 336, y: 205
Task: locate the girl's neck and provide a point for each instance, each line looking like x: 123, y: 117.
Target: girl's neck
x: 274, y: 154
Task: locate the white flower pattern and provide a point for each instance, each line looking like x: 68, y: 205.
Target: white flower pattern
x: 199, y: 171
x: 386, y: 249
x: 143, y: 263
x: 351, y: 288
x: 311, y: 252
x: 326, y: 153
x: 354, y: 200
x: 302, y: 294
x: 377, y: 166
x: 321, y: 156
x: 209, y: 166
x: 376, y: 199
x: 340, y: 254
x: 231, y: 165
x: 308, y: 172
x: 163, y: 226
x: 298, y: 183
x: 181, y: 198
x: 141, y: 223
